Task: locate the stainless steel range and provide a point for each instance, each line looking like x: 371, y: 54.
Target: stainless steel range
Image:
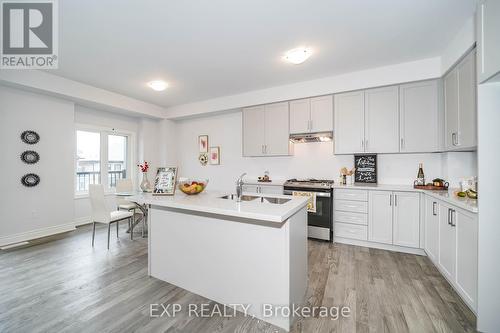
x: 320, y: 219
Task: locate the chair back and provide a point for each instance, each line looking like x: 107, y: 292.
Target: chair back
x: 100, y: 212
x: 123, y: 185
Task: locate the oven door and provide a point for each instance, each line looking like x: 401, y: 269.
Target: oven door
x: 323, y: 216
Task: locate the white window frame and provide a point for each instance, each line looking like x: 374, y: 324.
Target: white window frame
x: 104, y: 132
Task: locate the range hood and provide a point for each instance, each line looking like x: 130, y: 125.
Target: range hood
x: 311, y: 137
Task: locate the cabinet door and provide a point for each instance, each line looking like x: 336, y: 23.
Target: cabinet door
x: 488, y: 39
x: 467, y: 255
x: 451, y: 108
x: 431, y: 220
x: 406, y: 222
x: 349, y: 123
x: 447, y: 243
x: 253, y: 131
x: 276, y: 129
x: 300, y: 116
x: 381, y: 120
x: 322, y: 114
x: 467, y: 111
x: 418, y: 120
x: 380, y: 216
x: 250, y: 188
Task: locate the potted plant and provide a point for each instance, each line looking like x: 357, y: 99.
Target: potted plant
x: 145, y: 184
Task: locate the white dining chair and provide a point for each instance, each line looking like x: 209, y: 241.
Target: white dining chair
x: 101, y: 214
x: 125, y: 185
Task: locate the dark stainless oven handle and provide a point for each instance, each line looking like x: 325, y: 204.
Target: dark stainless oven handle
x: 318, y: 194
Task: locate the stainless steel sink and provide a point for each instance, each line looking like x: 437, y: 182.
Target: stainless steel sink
x: 243, y: 197
x: 276, y: 201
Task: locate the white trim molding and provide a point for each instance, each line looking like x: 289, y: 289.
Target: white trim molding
x: 37, y: 233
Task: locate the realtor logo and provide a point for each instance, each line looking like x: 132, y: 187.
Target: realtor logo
x: 29, y: 34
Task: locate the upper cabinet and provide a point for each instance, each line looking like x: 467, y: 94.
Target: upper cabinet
x: 488, y: 39
x: 390, y: 119
x: 349, y: 124
x: 381, y: 120
x: 311, y: 115
x: 419, y: 117
x: 265, y: 130
x: 460, y: 105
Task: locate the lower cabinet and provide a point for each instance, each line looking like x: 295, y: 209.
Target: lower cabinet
x: 394, y: 218
x: 263, y: 189
x: 451, y: 241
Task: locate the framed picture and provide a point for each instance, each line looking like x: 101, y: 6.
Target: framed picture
x: 203, y: 143
x: 366, y: 168
x: 165, y: 181
x: 214, y: 155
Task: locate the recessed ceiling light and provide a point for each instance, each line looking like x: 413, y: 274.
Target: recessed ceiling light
x: 158, y: 85
x: 298, y: 55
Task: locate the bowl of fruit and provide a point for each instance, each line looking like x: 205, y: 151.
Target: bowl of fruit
x: 193, y: 186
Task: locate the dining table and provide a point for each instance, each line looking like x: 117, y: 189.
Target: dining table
x: 143, y: 208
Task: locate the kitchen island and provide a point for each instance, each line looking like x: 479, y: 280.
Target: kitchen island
x: 248, y: 255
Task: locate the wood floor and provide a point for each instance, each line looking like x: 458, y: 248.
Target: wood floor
x: 65, y: 285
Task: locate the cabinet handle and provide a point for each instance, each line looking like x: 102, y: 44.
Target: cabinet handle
x: 402, y: 143
x: 453, y: 224
x: 434, y: 208
x: 265, y: 149
x: 390, y: 200
x: 366, y: 144
x: 454, y: 138
x: 395, y: 199
x: 449, y: 216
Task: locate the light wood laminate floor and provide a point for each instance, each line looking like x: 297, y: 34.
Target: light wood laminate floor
x: 62, y: 284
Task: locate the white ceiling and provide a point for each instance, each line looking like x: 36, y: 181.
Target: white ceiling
x: 207, y: 49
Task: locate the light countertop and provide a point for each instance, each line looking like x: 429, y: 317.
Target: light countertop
x: 210, y: 202
x: 446, y: 196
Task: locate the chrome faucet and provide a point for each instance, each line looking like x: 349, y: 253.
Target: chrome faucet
x: 239, y: 187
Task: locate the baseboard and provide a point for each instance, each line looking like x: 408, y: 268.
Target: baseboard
x: 379, y: 246
x: 82, y: 221
x: 38, y: 233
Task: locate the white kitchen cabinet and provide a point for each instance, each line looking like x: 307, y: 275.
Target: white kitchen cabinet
x: 460, y: 105
x: 253, y: 131
x: 382, y: 120
x: 322, y: 114
x: 488, y: 39
x: 265, y: 130
x: 419, y: 117
x: 311, y: 115
x: 276, y: 129
x: 447, y: 243
x: 349, y: 114
x: 467, y: 255
x: 300, y: 116
x: 263, y: 189
x: 380, y: 216
x: 406, y: 222
x: 431, y: 225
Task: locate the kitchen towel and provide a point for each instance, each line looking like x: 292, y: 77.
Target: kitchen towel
x: 311, y: 205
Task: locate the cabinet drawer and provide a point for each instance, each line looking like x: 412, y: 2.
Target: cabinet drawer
x: 357, y: 195
x: 351, y: 206
x: 349, y: 217
x: 353, y: 231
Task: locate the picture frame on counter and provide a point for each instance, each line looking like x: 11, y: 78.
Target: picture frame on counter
x: 214, y: 155
x: 165, y: 181
x: 203, y: 143
x: 365, y: 168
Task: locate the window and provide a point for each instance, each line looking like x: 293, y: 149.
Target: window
x: 102, y: 157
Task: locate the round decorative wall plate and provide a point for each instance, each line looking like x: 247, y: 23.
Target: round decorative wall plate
x: 30, y: 180
x: 30, y: 137
x: 30, y: 157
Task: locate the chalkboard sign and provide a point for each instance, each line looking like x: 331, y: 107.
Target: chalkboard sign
x: 366, y: 168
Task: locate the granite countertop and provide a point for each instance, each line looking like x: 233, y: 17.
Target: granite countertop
x: 211, y: 202
x: 446, y: 196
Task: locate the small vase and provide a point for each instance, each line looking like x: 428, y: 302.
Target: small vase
x: 145, y: 185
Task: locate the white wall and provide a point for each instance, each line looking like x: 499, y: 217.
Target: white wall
x: 489, y: 220
x: 309, y: 160
x: 47, y: 208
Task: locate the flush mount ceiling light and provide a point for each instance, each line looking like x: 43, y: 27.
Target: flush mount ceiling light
x: 158, y: 85
x: 298, y: 55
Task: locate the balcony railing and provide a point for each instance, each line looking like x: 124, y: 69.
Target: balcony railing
x: 84, y: 178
